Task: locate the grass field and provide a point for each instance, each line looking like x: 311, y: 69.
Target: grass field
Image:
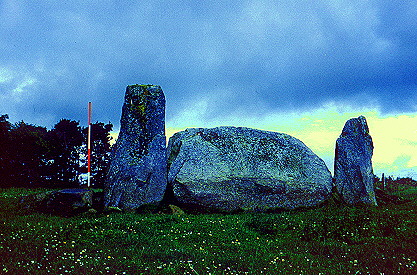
x: 327, y: 240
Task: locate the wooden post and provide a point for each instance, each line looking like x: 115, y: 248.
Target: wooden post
x: 383, y: 182
x: 89, y: 146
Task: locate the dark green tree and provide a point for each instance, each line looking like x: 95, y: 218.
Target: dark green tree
x: 27, y: 151
x: 65, y: 141
x: 32, y: 156
x: 100, y: 151
x: 5, y: 158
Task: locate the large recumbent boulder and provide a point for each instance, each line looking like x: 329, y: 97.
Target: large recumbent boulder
x: 235, y: 168
x: 137, y: 173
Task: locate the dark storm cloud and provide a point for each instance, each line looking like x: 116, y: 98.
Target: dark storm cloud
x: 240, y: 57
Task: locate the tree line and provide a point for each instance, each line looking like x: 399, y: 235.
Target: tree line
x: 33, y: 156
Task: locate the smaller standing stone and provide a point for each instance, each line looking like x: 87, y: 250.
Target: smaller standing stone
x: 354, y: 178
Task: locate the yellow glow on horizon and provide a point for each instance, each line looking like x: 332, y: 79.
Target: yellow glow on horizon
x: 114, y: 136
x: 394, y: 137
x: 395, y: 141
x: 170, y: 131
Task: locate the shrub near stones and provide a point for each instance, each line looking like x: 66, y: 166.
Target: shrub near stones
x: 66, y: 202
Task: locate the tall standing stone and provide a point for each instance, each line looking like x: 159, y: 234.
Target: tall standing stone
x: 354, y: 177
x: 138, y: 166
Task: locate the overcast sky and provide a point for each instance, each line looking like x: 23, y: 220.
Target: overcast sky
x: 301, y: 67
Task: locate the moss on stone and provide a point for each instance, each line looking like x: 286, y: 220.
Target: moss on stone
x: 139, y: 103
x: 139, y: 109
x: 141, y: 85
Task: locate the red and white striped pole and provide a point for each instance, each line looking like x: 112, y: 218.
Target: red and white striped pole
x: 89, y: 146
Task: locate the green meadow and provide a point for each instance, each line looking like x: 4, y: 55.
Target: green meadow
x: 327, y: 240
